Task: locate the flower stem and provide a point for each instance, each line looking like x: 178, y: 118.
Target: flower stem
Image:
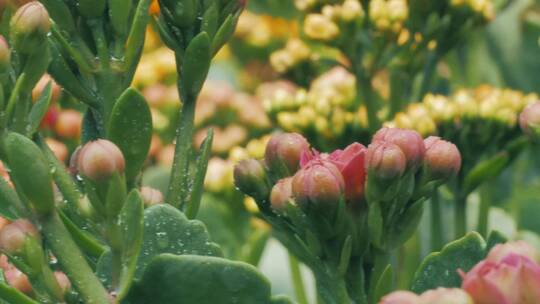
x: 460, y: 215
x: 72, y: 261
x: 12, y: 295
x: 483, y: 213
x: 297, y: 280
x: 437, y: 237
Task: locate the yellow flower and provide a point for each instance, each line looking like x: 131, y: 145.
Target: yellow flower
x: 320, y: 27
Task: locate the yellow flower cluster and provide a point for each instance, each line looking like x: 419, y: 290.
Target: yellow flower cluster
x: 261, y: 30
x: 484, y: 102
x: 294, y: 53
x: 324, y: 108
x: 484, y: 8
x: 324, y: 25
x: 388, y: 15
x: 155, y: 66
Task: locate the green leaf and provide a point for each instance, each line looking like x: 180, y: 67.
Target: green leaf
x: 494, y: 238
x: 210, y: 20
x: 90, y: 129
x: 119, y: 12
x: 10, y: 205
x: 440, y: 269
x: 30, y: 171
x: 167, y: 230
x: 407, y: 224
x: 196, y: 65
x: 200, y: 174
x: 201, y: 280
x: 116, y: 196
x: 61, y: 14
x: 223, y: 34
x: 131, y: 224
x: 485, y: 170
x: 39, y: 109
x: 385, y: 284
x: 84, y: 239
x: 130, y: 128
x: 13, y: 296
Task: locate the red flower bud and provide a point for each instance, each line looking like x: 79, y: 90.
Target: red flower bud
x: 13, y: 235
x: 320, y: 183
x: 99, y: 160
x: 283, y: 152
x: 29, y: 27
x: 385, y: 160
x: 5, y: 54
x: 250, y: 178
x: 281, y: 194
x: 409, y: 141
x: 442, y: 159
x: 350, y: 163
x: 18, y: 280
x: 63, y: 281
x: 151, y: 196
x: 68, y: 124
x: 529, y: 119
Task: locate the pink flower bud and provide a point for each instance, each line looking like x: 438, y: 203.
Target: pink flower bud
x: 151, y: 196
x: 442, y: 159
x: 400, y: 297
x: 409, y: 141
x: 63, y: 281
x: 320, y: 183
x: 99, y: 160
x: 500, y: 251
x: 13, y: 235
x: 29, y: 27
x: 514, y: 279
x: 283, y: 152
x: 446, y: 296
x: 529, y: 119
x: 68, y: 124
x: 5, y: 54
x: 250, y: 178
x: 281, y: 194
x: 350, y: 163
x: 18, y: 280
x: 385, y: 160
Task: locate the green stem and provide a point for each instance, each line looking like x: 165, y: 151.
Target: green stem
x: 72, y: 261
x: 298, y: 282
x: 14, y: 97
x: 427, y: 78
x: 437, y: 237
x: 332, y: 290
x: 365, y: 91
x: 460, y: 213
x: 13, y: 296
x: 483, y: 213
x: 179, y: 182
x: 380, y: 263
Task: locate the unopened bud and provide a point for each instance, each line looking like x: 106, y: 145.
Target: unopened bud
x: 446, y: 296
x: 13, y: 236
x: 18, y: 280
x: 99, y: 160
x: 250, y: 178
x: 63, y: 281
x: 281, y: 194
x: 151, y: 196
x: 385, y: 160
x: 320, y: 184
x: 409, y: 141
x: 68, y: 124
x: 442, y: 160
x: 283, y: 152
x: 5, y: 54
x: 29, y: 27
x: 529, y: 119
x: 400, y: 297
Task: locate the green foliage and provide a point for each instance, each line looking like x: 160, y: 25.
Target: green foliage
x: 440, y: 269
x: 130, y: 128
x: 200, y: 280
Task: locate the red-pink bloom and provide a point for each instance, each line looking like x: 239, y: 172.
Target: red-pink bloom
x: 318, y: 183
x: 350, y: 163
x: 514, y: 279
x: 281, y: 193
x: 500, y: 251
x: 410, y: 142
x: 386, y: 160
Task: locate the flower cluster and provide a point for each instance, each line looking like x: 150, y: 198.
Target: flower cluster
x: 484, y: 103
x: 484, y: 8
x: 370, y: 197
x: 509, y: 274
x: 326, y: 109
x: 388, y: 15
